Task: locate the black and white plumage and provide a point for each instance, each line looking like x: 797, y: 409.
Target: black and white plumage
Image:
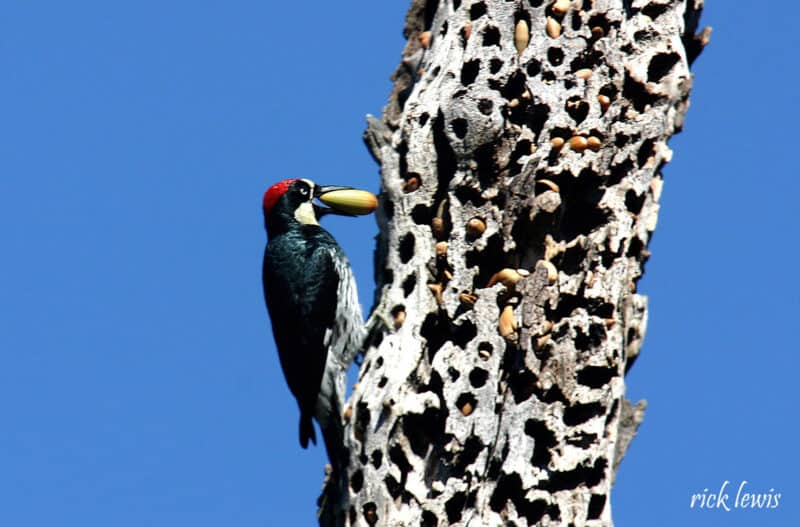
x: 311, y: 296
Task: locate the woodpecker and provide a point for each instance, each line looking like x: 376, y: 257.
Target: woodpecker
x: 311, y: 296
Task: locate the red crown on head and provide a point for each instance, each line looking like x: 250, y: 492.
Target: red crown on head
x: 274, y: 193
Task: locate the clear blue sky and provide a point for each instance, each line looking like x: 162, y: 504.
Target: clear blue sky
x: 139, y: 383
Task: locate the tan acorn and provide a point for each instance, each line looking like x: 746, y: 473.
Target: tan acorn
x: 507, y: 325
x: 466, y: 409
x: 399, y: 318
x: 549, y: 184
x: 522, y: 35
x: 578, y: 143
x: 557, y: 143
x: 425, y: 39
x: 508, y: 277
x: 553, y: 27
x: 560, y: 7
x: 436, y: 289
x: 476, y: 227
x: 441, y: 249
x: 467, y: 30
x: 594, y: 143
x: 468, y: 298
x: 411, y: 184
x: 583, y: 73
x: 605, y: 101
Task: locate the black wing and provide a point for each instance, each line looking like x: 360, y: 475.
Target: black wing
x: 300, y: 286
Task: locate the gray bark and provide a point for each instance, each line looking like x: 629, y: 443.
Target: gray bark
x: 523, y: 137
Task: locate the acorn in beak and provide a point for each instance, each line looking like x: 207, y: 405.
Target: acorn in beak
x: 345, y: 201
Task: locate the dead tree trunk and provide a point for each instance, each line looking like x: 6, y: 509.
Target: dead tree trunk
x: 521, y: 156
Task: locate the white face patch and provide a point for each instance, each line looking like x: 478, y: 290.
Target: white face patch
x: 305, y: 214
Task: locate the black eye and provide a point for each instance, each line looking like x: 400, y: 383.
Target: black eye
x: 304, y: 191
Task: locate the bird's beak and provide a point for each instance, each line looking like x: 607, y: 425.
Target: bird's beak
x: 345, y: 201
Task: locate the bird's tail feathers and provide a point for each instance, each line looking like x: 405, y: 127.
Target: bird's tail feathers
x: 307, y: 431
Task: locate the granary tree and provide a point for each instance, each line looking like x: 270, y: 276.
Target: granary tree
x: 521, y: 155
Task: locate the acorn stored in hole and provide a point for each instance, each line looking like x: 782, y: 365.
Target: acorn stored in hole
x: 475, y: 227
x: 411, y: 184
x: 583, y: 73
x: 522, y: 35
x: 605, y: 101
x: 549, y: 184
x: 552, y: 27
x: 441, y: 249
x: 507, y: 325
x: 557, y: 143
x: 578, y: 143
x: 399, y: 318
x: 466, y: 409
x: 468, y: 298
x: 425, y: 39
x: 594, y: 143
x: 467, y: 30
x: 560, y: 7
x: 508, y: 277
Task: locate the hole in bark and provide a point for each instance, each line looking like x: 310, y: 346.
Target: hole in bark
x: 469, y: 71
x: 515, y: 86
x: 596, y: 505
x: 454, y: 506
x: 618, y: 172
x: 409, y: 284
x: 398, y: 457
x: 596, y: 336
x: 582, y: 440
x: 635, y: 247
x: 357, y: 481
x: 445, y: 27
x: 423, y: 118
x: 478, y: 377
x: 522, y: 384
x: 583, y: 475
x: 429, y: 519
x: 453, y: 373
x: 555, y: 56
x: 577, y: 108
x: 485, y: 106
x: 362, y: 420
x: 472, y: 448
x: 491, y: 36
x: 353, y: 515
x: 596, y: 376
x: 377, y: 458
x: 382, y: 382
x: 576, y: 20
x: 436, y: 331
x: 634, y: 201
x: 456, y: 4
x: 422, y: 215
x: 572, y: 260
x: 379, y: 362
x: 469, y: 194
x: 466, y: 398
x: 637, y: 93
x: 495, y: 65
x: 580, y: 413
x: 509, y: 488
x: 655, y: 10
x: 477, y: 10
x: 370, y: 511
x: 464, y: 333
x: 488, y: 261
x: 580, y: 198
x: 407, y: 248
x: 445, y: 157
x: 533, y: 68
x: 392, y: 486
x: 645, y: 152
x: 543, y: 440
x: 588, y: 58
x: 459, y: 127
x: 423, y: 430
